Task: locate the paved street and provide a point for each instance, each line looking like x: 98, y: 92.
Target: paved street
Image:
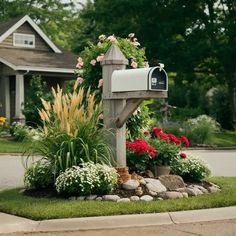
x: 213, y: 228
x: 221, y: 162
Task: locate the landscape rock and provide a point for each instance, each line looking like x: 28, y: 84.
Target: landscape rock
x: 146, y: 198
x: 123, y: 200
x: 213, y: 189
x: 171, y: 195
x: 99, y: 199
x: 155, y: 185
x: 139, y: 191
x: 134, y: 198
x: 149, y: 174
x: 202, y: 189
x: 153, y: 194
x: 130, y: 184
x: 185, y: 195
x: 91, y: 197
x: 160, y: 199
x: 112, y: 198
x: 80, y: 198
x: 196, y: 190
x: 172, y: 182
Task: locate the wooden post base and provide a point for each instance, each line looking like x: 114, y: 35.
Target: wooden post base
x: 124, y: 175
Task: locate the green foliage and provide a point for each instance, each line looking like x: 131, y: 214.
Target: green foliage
x: 70, y: 134
x: 37, y: 90
x: 20, y: 131
x: 220, y: 108
x: 191, y: 169
x: 201, y: 129
x: 39, y: 175
x: 90, y: 72
x: 87, y: 179
x: 168, y: 152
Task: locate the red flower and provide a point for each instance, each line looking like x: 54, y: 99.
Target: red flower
x: 184, y: 140
x: 183, y: 155
x: 156, y: 131
x: 140, y: 146
x: 173, y: 139
x: 146, y: 132
x: 163, y: 136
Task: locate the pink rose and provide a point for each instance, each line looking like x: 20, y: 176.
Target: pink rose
x: 134, y: 64
x: 112, y: 38
x: 100, y: 83
x: 100, y: 57
x: 80, y: 63
x: 80, y: 80
x: 93, y: 62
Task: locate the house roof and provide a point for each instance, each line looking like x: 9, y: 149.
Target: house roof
x: 9, y: 27
x: 57, y: 60
x: 32, y: 60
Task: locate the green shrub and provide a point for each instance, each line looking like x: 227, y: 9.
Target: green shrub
x: 39, y: 175
x: 89, y: 178
x: 70, y: 134
x: 20, y: 131
x: 191, y: 169
x: 201, y: 129
x: 37, y: 90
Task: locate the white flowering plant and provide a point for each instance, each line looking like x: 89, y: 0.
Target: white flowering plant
x: 191, y: 169
x: 89, y: 178
x: 39, y: 175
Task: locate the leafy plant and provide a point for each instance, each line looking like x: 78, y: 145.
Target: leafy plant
x: 191, y: 169
x: 201, y: 129
x: 39, y: 175
x: 89, y: 71
x: 70, y: 132
x: 37, y: 90
x: 86, y: 179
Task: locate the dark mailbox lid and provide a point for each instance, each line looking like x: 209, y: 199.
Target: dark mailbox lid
x: 158, y: 79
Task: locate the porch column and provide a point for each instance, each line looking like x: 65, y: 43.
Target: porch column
x: 5, y: 97
x: 19, y: 102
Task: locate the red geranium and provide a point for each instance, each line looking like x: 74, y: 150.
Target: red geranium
x: 183, y: 155
x: 157, y: 131
x: 184, y: 140
x: 173, y: 139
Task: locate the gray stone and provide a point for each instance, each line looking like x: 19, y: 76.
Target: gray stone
x: 213, y: 189
x: 149, y: 174
x: 172, y: 182
x: 171, y: 195
x: 123, y: 200
x: 99, y: 199
x: 202, y: 189
x: 139, y: 191
x: 142, y: 181
x: 72, y: 198
x: 196, y: 190
x: 80, y: 198
x: 134, y: 198
x: 146, y: 198
x: 130, y: 184
x: 153, y: 194
x: 185, y: 195
x: 112, y: 198
x: 91, y: 197
x: 160, y: 199
x: 155, y: 185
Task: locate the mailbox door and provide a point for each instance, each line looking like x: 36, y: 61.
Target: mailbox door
x: 158, y: 79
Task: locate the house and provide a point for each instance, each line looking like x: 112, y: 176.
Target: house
x: 25, y: 50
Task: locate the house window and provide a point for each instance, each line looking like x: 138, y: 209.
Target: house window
x: 24, y: 40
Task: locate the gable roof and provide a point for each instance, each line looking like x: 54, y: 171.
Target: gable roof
x: 9, y: 27
x: 33, y: 60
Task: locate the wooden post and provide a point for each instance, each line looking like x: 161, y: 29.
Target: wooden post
x: 114, y: 60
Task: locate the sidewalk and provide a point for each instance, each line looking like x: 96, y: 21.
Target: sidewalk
x: 11, y: 224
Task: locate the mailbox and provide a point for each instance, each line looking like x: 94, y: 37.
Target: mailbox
x: 143, y: 79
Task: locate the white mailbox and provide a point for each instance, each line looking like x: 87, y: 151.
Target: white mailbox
x: 143, y: 79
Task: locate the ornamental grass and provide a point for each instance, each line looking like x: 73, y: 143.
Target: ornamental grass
x: 71, y: 131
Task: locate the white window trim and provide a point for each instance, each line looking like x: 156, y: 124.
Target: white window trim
x: 23, y: 45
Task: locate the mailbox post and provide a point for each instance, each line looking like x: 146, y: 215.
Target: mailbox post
x: 121, y: 100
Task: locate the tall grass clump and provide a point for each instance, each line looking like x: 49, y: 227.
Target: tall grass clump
x: 71, y: 132
x: 201, y: 130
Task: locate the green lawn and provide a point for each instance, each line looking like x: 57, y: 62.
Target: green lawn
x: 225, y: 139
x: 11, y: 201
x: 7, y: 146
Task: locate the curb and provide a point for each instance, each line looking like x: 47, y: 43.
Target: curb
x: 12, y: 224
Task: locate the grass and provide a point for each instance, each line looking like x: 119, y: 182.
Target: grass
x: 225, y: 139
x: 11, y: 201
x: 7, y: 146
